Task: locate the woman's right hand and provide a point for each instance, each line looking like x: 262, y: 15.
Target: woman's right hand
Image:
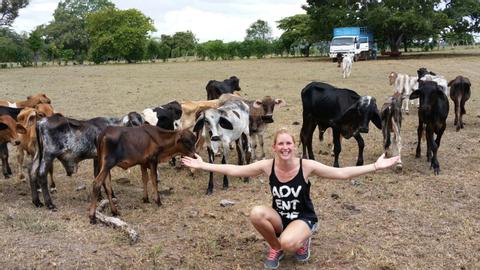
x: 195, y: 163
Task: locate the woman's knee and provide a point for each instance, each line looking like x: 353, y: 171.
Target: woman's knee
x: 258, y: 214
x: 290, y: 243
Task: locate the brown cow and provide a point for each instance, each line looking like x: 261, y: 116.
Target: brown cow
x: 261, y: 114
x: 30, y: 102
x: 9, y: 130
x: 145, y: 146
x: 459, y: 93
x: 28, y: 118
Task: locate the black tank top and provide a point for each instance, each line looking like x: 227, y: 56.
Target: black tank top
x: 292, y: 200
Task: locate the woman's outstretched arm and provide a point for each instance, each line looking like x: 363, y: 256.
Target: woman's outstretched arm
x: 252, y: 170
x: 317, y: 168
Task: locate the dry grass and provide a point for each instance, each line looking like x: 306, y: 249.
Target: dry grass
x: 412, y: 220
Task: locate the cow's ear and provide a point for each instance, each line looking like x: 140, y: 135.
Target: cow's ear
x: 21, y: 129
x: 280, y: 102
x: 199, y: 124
x: 376, y: 119
x: 224, y: 123
x: 257, y: 104
x: 450, y: 82
x: 32, y: 119
x: 415, y: 94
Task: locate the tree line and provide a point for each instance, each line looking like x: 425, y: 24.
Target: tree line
x: 97, y: 31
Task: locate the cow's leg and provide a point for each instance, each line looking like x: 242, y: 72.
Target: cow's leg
x: 457, y: 113
x: 430, y: 142
x: 405, y: 103
x: 109, y: 190
x: 224, y: 161
x: 337, y: 147
x: 53, y: 187
x: 42, y: 181
x: 243, y: 141
x: 96, y: 189
x: 435, y: 163
x: 153, y: 179
x: 4, y: 155
x: 462, y: 111
x: 262, y: 148
x: 419, y: 136
x: 33, y: 175
x: 254, y: 145
x: 145, y: 183
x: 397, y: 145
x: 306, y: 134
x: 20, y: 160
x: 240, y: 156
x: 361, y: 146
x: 211, y: 159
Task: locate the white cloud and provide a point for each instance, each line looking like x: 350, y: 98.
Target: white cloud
x: 207, y: 19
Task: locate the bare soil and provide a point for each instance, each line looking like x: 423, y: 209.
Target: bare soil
x: 409, y: 220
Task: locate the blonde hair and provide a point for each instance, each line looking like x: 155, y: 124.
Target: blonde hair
x: 283, y: 130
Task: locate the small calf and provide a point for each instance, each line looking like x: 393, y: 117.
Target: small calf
x: 459, y: 93
x: 391, y: 115
x: 404, y: 84
x: 145, y: 146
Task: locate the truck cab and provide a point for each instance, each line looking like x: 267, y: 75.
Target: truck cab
x: 353, y: 41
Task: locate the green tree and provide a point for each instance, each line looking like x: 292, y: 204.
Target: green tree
x: 259, y: 30
x: 185, y: 42
x: 68, y: 29
x: 9, y: 10
x: 464, y: 16
x: 298, y: 31
x: 14, y: 48
x: 118, y: 34
x: 36, y: 43
x: 153, y: 47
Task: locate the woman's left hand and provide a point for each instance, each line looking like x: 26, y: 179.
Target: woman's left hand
x: 383, y: 163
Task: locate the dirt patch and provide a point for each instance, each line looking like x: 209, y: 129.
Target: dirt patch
x: 410, y: 220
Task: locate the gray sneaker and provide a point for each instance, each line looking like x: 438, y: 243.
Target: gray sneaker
x: 303, y: 253
x: 273, y: 259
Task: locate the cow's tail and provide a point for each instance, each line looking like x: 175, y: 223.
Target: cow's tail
x: 387, y: 127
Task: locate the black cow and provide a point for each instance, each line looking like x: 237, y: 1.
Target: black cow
x: 215, y: 88
x: 166, y: 116
x: 70, y: 141
x: 459, y: 93
x: 346, y: 112
x: 432, y: 115
x: 13, y: 112
x: 423, y: 71
x: 338, y: 59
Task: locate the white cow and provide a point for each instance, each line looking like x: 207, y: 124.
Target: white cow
x: 347, y: 62
x: 404, y: 84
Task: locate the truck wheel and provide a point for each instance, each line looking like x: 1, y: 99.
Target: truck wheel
x: 355, y: 58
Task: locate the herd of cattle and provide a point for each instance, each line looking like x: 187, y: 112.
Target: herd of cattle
x: 225, y: 119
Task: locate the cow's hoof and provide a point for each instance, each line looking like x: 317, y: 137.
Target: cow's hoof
x: 225, y: 187
x: 436, y: 171
x: 158, y: 203
x: 53, y: 190
x: 398, y: 168
x: 146, y: 200
x: 38, y: 204
x: 93, y: 220
x: 52, y: 207
x: 115, y: 213
x: 246, y: 179
x: 6, y: 176
x: 209, y: 192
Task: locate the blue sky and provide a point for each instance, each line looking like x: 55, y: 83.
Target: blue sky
x: 207, y: 19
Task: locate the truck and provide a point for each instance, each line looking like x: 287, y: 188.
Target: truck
x: 352, y: 41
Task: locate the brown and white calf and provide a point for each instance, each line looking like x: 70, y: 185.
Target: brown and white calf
x: 404, y: 84
x: 261, y: 114
x: 145, y: 146
x: 391, y: 115
x: 459, y: 93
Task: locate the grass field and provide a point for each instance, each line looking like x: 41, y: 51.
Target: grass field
x: 411, y: 220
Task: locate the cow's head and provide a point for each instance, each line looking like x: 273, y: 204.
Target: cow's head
x: 392, y: 77
x: 186, y: 140
x: 267, y: 105
x: 44, y: 110
x: 212, y: 121
x: 39, y: 98
x: 133, y: 119
x: 28, y: 118
x: 339, y: 59
x: 235, y: 83
x: 429, y: 93
x: 422, y: 72
x: 9, y: 130
x: 357, y: 117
